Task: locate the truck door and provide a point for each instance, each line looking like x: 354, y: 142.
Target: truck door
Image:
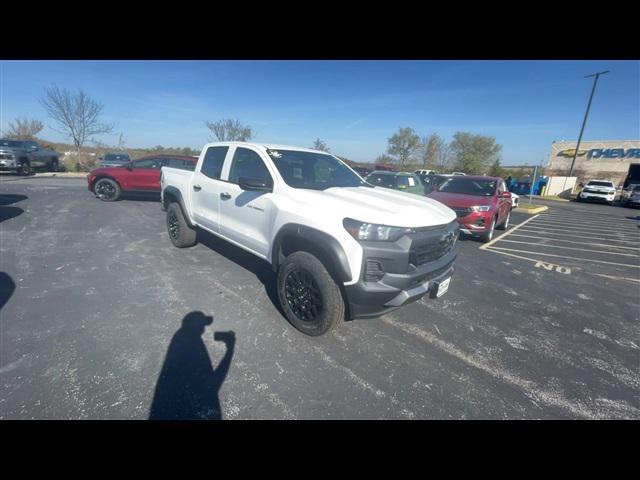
x: 246, y: 215
x: 205, y: 188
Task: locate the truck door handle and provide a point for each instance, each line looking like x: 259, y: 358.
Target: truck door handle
x: 225, y: 196
x: 197, y: 188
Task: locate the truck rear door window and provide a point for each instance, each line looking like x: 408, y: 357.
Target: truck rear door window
x: 213, y: 161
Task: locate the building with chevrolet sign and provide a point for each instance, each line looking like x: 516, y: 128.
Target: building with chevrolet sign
x: 602, y: 160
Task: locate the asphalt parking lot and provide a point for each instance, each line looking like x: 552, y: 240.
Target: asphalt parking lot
x: 94, y: 296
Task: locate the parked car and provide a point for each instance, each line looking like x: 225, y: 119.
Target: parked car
x: 22, y: 156
x: 114, y: 160
x: 362, y: 171
x: 141, y: 176
x: 422, y: 172
x: 599, y: 190
x: 341, y: 248
x: 515, y: 200
x: 432, y: 182
x: 628, y: 192
x: 403, y: 181
x: 631, y: 196
x: 458, y: 173
x: 482, y: 204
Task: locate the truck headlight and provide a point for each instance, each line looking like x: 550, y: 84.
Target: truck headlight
x: 480, y: 208
x: 371, y: 231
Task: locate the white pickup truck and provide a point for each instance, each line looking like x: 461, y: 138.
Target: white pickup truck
x: 342, y: 248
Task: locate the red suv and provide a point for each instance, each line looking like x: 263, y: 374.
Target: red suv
x: 482, y: 204
x: 141, y: 176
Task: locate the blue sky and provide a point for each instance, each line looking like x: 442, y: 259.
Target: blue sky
x: 354, y: 106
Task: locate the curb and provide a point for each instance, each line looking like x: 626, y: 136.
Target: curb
x: 553, y: 199
x: 62, y: 174
x: 532, y: 211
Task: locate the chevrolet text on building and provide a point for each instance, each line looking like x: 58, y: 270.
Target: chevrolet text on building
x: 605, y: 153
x: 611, y: 160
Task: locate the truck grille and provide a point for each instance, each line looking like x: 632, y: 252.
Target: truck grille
x: 433, y: 251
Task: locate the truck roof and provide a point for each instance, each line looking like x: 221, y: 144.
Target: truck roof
x: 268, y: 146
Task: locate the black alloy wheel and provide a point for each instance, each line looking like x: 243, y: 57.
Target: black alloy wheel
x: 303, y: 295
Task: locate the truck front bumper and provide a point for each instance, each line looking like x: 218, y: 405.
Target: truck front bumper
x: 400, y: 282
x: 603, y: 197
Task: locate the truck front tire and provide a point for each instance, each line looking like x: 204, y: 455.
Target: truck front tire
x: 25, y: 168
x: 180, y: 233
x: 309, y: 296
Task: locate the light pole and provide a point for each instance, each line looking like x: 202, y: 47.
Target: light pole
x: 584, y: 122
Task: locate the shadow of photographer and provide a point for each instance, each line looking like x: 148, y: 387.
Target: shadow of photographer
x: 188, y: 385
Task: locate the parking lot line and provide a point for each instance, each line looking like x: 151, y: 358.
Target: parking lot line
x: 565, y: 256
x: 579, y: 221
x: 577, y: 243
x: 572, y: 223
x: 508, y: 232
x: 573, y: 248
x: 630, y: 235
x: 548, y: 231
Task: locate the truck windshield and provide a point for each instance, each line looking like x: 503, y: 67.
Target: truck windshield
x: 11, y: 143
x: 315, y: 171
x: 468, y: 186
x: 600, y: 184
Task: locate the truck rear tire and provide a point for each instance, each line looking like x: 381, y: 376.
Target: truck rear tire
x: 180, y: 233
x: 309, y: 296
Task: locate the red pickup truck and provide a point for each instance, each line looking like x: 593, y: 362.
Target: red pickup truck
x: 141, y: 176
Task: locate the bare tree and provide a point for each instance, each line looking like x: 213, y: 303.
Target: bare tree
x: 24, y: 129
x: 228, y: 130
x: 76, y: 114
x: 320, y: 145
x: 384, y: 160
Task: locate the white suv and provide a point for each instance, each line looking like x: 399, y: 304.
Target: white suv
x: 601, y: 190
x: 341, y: 247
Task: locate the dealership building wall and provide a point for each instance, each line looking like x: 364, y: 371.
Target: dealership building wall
x: 603, y: 160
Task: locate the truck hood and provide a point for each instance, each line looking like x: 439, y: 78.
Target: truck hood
x: 379, y: 205
x: 459, y: 200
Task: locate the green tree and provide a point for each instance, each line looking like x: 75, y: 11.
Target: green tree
x: 403, y: 144
x: 496, y: 170
x: 432, y: 149
x: 473, y: 154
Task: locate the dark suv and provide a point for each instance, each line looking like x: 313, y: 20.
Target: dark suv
x: 22, y: 156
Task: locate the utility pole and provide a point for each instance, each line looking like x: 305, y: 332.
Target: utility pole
x: 584, y: 122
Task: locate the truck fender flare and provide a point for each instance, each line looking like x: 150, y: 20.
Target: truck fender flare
x: 170, y: 193
x: 314, y: 241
